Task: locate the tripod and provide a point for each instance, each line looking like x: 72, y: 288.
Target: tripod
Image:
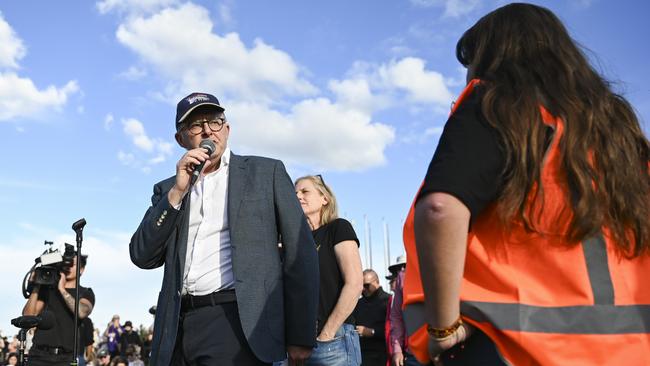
x: 22, y: 335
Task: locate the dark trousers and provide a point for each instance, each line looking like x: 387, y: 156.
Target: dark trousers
x: 38, y: 357
x: 478, y: 350
x: 212, y: 335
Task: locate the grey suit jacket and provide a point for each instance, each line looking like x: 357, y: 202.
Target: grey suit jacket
x: 277, y: 293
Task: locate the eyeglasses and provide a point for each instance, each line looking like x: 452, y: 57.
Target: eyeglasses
x: 366, y: 285
x: 215, y: 125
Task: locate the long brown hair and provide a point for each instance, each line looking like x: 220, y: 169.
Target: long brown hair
x: 526, y: 58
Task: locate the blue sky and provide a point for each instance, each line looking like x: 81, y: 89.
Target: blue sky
x: 355, y: 90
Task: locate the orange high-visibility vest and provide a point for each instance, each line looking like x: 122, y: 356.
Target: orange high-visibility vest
x: 541, y: 301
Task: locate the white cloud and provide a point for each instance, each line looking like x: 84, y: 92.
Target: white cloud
x: 133, y: 73
x: 132, y: 6
x: 453, y: 8
x: 155, y: 150
x: 422, y: 86
x: 316, y: 133
x: 225, y: 14
x: 179, y: 43
x: 431, y: 131
x: 356, y: 93
x: 335, y: 132
x: 11, y: 46
x: 406, y: 81
x: 19, y: 97
x: 127, y: 159
x: 135, y: 130
x: 108, y: 122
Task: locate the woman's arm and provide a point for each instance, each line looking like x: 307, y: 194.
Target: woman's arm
x: 349, y: 261
x: 441, y: 226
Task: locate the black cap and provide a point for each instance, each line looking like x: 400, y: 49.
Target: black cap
x: 128, y: 324
x: 193, y: 101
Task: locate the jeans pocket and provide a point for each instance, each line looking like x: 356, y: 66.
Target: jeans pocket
x: 353, y: 347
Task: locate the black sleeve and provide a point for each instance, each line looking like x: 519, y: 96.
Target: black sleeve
x: 88, y: 294
x: 469, y: 159
x: 342, y: 230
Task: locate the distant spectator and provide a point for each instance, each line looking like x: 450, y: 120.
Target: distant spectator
x: 130, y: 337
x: 12, y: 359
x: 119, y: 361
x: 400, y: 353
x: 370, y: 315
x: 113, y: 335
x: 133, y: 355
x: 146, y: 345
x: 103, y: 358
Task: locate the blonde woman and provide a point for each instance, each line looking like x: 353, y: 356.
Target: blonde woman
x: 341, y: 279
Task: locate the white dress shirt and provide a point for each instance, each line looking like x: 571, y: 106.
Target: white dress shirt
x: 208, y: 261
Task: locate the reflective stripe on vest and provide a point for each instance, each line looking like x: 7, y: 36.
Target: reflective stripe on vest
x: 591, y: 319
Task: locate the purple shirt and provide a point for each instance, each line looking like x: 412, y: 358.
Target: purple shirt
x: 113, y: 337
x: 397, y: 333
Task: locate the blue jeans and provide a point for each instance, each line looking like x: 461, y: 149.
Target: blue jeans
x: 342, y: 350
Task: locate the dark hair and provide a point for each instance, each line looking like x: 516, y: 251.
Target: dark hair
x: 84, y: 260
x: 526, y: 59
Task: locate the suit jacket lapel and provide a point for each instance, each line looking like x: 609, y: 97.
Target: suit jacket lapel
x: 183, y: 235
x: 236, y: 180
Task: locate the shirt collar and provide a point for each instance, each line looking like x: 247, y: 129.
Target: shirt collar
x: 225, y: 157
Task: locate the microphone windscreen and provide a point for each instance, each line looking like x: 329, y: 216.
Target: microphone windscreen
x: 79, y: 224
x: 208, y: 145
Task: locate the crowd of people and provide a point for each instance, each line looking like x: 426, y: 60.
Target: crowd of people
x: 528, y: 242
x: 117, y: 345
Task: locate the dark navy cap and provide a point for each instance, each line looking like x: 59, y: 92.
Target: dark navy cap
x: 193, y: 101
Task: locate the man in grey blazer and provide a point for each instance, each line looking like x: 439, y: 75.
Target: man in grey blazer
x: 231, y: 294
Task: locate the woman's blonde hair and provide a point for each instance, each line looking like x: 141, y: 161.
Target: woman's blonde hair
x: 330, y: 211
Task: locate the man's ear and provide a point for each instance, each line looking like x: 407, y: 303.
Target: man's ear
x: 179, y: 139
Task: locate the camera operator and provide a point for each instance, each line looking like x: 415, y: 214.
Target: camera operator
x: 54, y: 346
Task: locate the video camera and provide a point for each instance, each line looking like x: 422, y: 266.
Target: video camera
x: 52, y: 262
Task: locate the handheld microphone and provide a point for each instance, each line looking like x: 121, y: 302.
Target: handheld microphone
x: 44, y: 321
x: 210, y: 147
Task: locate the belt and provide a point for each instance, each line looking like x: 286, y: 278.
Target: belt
x: 190, y: 302
x: 52, y: 350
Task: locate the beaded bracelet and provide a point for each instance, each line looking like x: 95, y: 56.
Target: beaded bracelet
x: 441, y: 333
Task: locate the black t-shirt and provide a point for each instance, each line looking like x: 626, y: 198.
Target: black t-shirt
x: 62, y: 333
x: 86, y: 334
x: 331, y: 280
x: 469, y: 160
